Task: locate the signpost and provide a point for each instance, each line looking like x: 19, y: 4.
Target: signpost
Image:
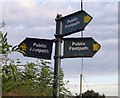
x: 65, y: 26
x: 57, y: 61
x: 38, y: 48
x: 73, y: 47
x: 80, y: 47
x: 75, y: 22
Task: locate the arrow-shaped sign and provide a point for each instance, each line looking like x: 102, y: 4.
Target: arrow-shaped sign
x: 38, y: 48
x: 80, y: 47
x: 75, y: 22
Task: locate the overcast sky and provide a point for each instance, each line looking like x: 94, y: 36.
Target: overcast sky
x: 37, y: 19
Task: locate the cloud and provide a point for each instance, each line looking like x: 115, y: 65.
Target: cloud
x: 79, y: 1
x: 0, y: 12
x: 27, y: 11
x: 33, y: 20
x: 96, y: 83
x: 109, y: 89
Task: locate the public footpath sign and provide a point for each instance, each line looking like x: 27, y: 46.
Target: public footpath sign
x: 75, y: 22
x: 38, y: 48
x: 80, y: 47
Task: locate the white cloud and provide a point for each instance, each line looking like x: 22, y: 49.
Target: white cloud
x: 79, y: 1
x: 84, y: 1
x: 96, y: 83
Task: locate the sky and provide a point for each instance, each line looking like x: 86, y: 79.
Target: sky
x: 36, y: 19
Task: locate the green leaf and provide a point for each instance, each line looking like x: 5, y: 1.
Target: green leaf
x: 1, y: 35
x: 4, y: 37
x: 0, y: 48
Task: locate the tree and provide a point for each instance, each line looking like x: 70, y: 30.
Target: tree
x: 91, y: 94
x: 4, y: 48
x: 8, y: 73
x: 9, y: 78
x: 31, y: 80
